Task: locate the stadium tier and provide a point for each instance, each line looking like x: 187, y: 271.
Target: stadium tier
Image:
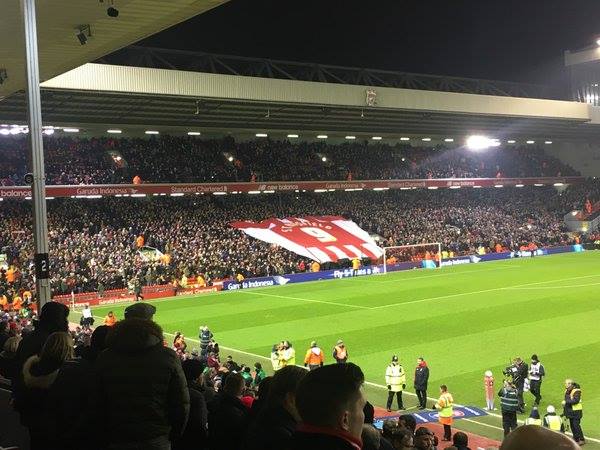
x: 95, y: 243
x: 193, y: 160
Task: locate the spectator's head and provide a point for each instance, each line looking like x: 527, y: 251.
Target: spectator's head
x: 389, y: 425
x: 140, y: 311
x: 313, y: 344
x: 443, y: 388
x: 460, y: 439
x: 98, y: 339
x: 534, y: 437
x: 331, y: 396
x: 192, y: 368
x: 54, y: 317
x: 258, y: 366
x: 11, y: 345
x: 407, y: 421
x: 371, y: 438
x: 401, y: 438
x: 264, y: 388
x: 424, y: 439
x: 283, y: 389
x: 57, y: 349
x: 234, y: 385
x: 534, y: 359
x: 369, y: 412
x: 551, y: 409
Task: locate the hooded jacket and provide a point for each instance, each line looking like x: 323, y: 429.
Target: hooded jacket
x: 141, y: 392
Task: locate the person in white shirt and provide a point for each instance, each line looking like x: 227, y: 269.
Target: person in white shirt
x: 87, y: 319
x: 536, y: 373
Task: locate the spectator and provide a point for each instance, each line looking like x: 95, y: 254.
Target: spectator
x: 228, y: 416
x: 259, y: 374
x: 264, y: 389
x: 39, y: 374
x: 402, y: 439
x: 330, y: 402
x: 8, y: 358
x: 424, y: 439
x: 533, y: 437
x: 371, y: 438
x: 70, y: 397
x: 460, y: 441
x: 275, y: 425
x: 195, y: 435
x: 408, y: 422
x: 131, y: 412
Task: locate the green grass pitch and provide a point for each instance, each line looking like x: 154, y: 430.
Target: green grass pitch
x: 463, y: 320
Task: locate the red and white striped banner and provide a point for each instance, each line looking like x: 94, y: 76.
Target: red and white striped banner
x: 320, y: 238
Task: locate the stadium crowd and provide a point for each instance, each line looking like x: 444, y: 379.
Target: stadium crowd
x: 95, y: 243
x: 82, y: 390
x: 194, y: 160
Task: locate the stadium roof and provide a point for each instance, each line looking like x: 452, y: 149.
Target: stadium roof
x: 58, y: 21
x: 96, y: 95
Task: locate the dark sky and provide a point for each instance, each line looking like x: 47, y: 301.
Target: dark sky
x: 515, y: 40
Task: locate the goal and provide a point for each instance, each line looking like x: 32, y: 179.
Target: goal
x: 416, y: 256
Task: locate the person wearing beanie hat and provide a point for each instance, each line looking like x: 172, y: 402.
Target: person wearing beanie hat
x: 534, y: 417
x: 140, y: 311
x: 314, y: 357
x: 552, y: 420
x: 395, y: 379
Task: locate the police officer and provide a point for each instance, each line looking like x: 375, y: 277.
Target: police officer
x: 395, y: 378
x: 553, y: 421
x: 536, y: 373
x: 573, y: 409
x: 509, y: 399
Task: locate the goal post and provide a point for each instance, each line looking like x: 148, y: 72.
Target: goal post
x: 427, y: 256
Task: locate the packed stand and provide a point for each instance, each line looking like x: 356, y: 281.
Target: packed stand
x: 96, y: 244
x: 193, y: 160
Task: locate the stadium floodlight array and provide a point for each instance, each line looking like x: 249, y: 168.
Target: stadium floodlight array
x: 427, y: 255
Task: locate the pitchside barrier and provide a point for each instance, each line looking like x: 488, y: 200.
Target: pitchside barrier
x: 169, y: 291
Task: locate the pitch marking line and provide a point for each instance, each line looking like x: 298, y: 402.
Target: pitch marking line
x: 305, y: 299
x: 369, y: 383
x: 569, y: 286
x: 481, y: 291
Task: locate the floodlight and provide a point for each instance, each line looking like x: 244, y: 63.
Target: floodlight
x: 531, y: 142
x: 448, y: 140
x: 350, y: 137
x: 293, y: 136
x: 193, y: 133
x: 324, y: 159
x: 230, y: 158
x: 598, y: 42
x: 151, y: 132
x: 478, y: 142
x: 405, y: 139
x: 71, y: 130
x: 114, y: 131
x: 426, y: 139
x: 261, y: 134
x: 376, y: 138
x: 322, y: 136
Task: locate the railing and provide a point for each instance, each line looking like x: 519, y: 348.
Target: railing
x: 176, y: 190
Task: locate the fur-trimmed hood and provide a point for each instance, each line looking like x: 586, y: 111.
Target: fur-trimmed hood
x: 134, y: 335
x: 37, y: 381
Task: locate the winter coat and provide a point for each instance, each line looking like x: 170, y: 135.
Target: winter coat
x: 69, y: 400
x: 421, y: 377
x: 195, y: 435
x: 303, y: 439
x: 227, y: 422
x: 34, y: 395
x: 141, y: 392
x: 273, y: 428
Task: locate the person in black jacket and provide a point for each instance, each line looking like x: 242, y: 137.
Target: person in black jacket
x: 275, y: 425
x: 421, y: 380
x: 228, y: 416
x: 330, y: 401
x: 573, y: 410
x: 195, y: 435
x: 69, y: 397
x: 141, y: 393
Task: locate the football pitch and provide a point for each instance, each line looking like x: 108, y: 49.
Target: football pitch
x: 463, y: 320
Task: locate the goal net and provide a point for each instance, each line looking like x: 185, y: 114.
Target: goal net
x: 417, y: 256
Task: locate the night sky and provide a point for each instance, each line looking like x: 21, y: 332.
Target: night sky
x: 515, y: 40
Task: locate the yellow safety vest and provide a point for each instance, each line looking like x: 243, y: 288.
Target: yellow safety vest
x: 579, y: 405
x: 446, y: 405
x: 553, y: 422
x: 532, y: 421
